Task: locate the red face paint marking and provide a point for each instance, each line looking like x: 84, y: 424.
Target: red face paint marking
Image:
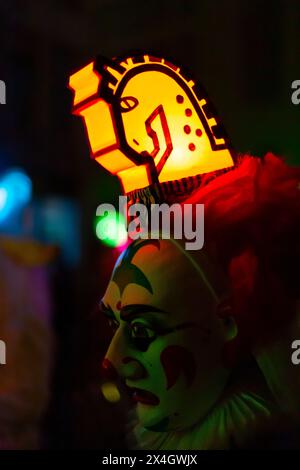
x: 119, y: 305
x: 177, y: 360
x: 108, y: 369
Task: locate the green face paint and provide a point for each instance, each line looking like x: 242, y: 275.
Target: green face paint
x: 168, y: 339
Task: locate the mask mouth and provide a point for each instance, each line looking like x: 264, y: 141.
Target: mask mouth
x: 139, y: 395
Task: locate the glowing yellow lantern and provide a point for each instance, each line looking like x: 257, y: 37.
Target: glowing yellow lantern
x: 147, y: 122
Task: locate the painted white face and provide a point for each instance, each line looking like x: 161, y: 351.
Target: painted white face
x: 168, y: 338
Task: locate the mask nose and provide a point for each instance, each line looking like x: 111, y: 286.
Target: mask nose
x: 120, y: 360
x: 109, y: 370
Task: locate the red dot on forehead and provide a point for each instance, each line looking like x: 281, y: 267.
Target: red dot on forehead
x: 119, y: 305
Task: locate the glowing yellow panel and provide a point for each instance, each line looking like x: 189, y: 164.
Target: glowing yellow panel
x: 100, y: 126
x: 152, y: 126
x: 115, y: 161
x: 130, y: 177
x: 176, y: 123
x: 84, y: 83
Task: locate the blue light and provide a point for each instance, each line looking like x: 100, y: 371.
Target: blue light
x: 3, y: 198
x: 15, y: 192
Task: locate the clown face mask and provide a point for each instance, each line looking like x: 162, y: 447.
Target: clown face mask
x: 168, y: 339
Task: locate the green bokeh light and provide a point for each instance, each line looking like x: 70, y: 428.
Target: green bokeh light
x: 111, y: 229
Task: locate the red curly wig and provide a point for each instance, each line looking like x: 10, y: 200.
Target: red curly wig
x: 252, y: 229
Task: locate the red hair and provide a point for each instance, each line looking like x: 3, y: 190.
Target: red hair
x: 252, y: 228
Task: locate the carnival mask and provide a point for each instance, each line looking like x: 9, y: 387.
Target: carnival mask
x: 168, y: 339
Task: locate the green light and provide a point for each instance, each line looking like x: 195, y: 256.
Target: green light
x: 111, y: 230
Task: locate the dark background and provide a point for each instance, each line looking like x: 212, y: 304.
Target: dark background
x: 246, y: 53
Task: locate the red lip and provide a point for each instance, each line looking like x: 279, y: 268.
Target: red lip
x: 139, y: 395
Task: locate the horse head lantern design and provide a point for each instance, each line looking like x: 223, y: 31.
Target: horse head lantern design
x: 147, y: 122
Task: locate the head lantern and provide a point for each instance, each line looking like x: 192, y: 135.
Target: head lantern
x: 150, y: 125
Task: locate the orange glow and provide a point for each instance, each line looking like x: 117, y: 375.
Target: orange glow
x: 114, y: 161
x: 152, y: 122
x: 99, y: 125
x: 85, y: 83
x: 130, y: 177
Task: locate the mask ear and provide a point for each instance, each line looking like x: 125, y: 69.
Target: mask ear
x: 225, y: 313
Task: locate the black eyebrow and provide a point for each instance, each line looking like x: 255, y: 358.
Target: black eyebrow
x: 128, y: 312
x: 106, y: 310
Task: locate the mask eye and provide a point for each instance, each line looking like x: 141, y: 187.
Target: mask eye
x: 114, y: 325
x: 127, y: 103
x: 141, y: 335
x: 138, y: 330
